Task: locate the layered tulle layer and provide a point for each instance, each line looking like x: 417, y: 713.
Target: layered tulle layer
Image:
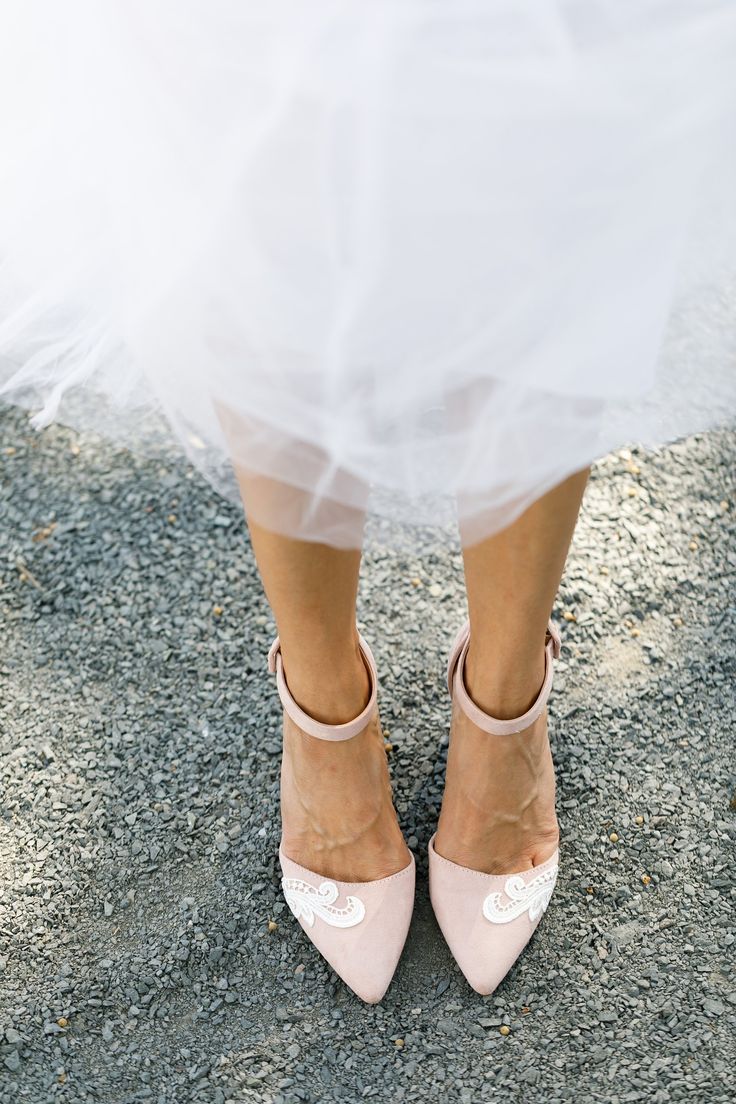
x: 416, y: 257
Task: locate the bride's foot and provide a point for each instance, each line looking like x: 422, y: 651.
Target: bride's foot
x: 337, y: 806
x: 498, y: 810
x: 348, y: 876
x: 493, y: 861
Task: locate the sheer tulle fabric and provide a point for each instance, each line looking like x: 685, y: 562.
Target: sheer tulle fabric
x: 419, y: 258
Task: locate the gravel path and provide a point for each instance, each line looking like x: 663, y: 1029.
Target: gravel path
x: 145, y: 952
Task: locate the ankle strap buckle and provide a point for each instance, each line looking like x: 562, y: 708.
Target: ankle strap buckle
x: 553, y: 638
x: 272, y: 651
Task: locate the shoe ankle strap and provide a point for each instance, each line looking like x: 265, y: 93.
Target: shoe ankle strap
x: 308, y: 724
x: 458, y: 691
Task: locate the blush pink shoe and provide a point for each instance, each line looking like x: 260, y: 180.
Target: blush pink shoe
x: 488, y: 919
x: 359, y: 927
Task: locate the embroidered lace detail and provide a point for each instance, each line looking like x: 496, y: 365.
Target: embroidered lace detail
x: 532, y: 897
x: 308, y: 901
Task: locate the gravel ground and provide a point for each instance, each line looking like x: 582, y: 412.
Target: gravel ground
x: 145, y: 951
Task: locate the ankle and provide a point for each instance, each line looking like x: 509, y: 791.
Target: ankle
x: 504, y: 686
x: 332, y: 684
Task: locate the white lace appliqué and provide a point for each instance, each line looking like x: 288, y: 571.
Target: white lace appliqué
x: 532, y: 897
x: 308, y: 901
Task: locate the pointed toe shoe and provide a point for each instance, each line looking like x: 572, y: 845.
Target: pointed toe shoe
x: 359, y: 928
x: 488, y: 919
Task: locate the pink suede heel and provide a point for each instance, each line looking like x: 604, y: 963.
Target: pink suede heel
x: 359, y: 927
x: 488, y: 919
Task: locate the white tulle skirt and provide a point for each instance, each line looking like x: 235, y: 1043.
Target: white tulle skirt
x: 421, y: 258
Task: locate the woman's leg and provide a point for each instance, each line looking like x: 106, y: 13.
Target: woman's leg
x: 336, y: 800
x: 312, y: 590
x: 498, y: 810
